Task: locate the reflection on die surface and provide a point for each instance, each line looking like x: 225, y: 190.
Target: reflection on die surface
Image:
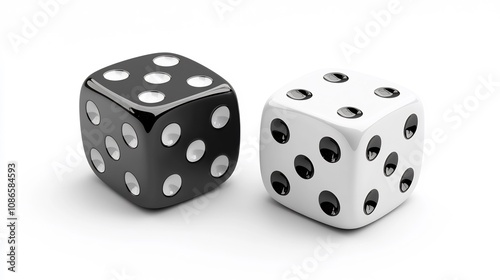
x: 160, y: 129
x: 341, y: 147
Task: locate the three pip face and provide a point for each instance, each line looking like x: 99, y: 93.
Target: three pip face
x: 337, y: 146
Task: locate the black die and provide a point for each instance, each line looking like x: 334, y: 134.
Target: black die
x: 160, y: 129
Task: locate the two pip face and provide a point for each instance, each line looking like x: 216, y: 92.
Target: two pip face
x: 337, y: 146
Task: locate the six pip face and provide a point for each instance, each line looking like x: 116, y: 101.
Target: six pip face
x: 341, y: 147
x: 160, y: 129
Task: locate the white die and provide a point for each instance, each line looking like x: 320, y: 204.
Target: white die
x: 341, y: 147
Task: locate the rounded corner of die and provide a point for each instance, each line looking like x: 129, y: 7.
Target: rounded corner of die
x: 86, y: 84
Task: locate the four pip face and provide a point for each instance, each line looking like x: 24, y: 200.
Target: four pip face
x: 337, y: 146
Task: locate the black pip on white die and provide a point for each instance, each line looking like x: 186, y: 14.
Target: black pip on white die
x: 160, y: 129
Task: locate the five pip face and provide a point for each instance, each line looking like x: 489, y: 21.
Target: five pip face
x: 337, y: 146
x: 160, y: 129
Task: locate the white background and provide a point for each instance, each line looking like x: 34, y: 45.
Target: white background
x: 75, y: 227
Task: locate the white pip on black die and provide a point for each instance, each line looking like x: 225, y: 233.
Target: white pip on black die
x: 341, y: 147
x: 160, y: 129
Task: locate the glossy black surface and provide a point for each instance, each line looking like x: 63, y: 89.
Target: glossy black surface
x: 373, y: 148
x: 280, y: 183
x: 349, y: 112
x: 329, y: 149
x: 280, y: 131
x: 411, y: 126
x: 386, y: 92
x: 304, y: 167
x: 391, y: 163
x: 299, y: 94
x: 151, y: 162
x: 174, y: 90
x: 406, y: 180
x: 329, y: 203
x: 336, y: 77
x: 371, y: 202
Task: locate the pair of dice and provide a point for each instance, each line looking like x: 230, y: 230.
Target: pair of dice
x: 337, y: 146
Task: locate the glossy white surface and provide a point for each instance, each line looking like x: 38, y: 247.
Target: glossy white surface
x: 220, y: 117
x: 93, y: 113
x: 171, y: 134
x: 195, y: 151
x: 219, y: 166
x: 112, y: 147
x: 199, y: 81
x: 166, y: 61
x: 172, y: 185
x: 129, y: 135
x: 353, y: 176
x: 116, y: 75
x: 132, y: 183
x: 97, y: 160
x: 151, y: 96
x: 157, y: 78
